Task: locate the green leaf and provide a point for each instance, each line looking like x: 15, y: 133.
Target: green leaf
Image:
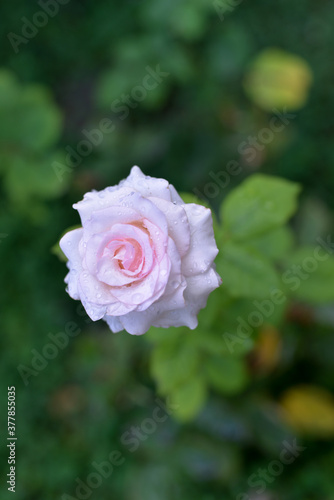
x: 226, y: 374
x: 209, y: 341
x: 173, y: 364
x: 188, y: 399
x: 40, y: 119
x: 9, y: 88
x: 30, y: 121
x: 309, y: 277
x: 166, y: 335
x: 32, y: 175
x: 188, y: 22
x: 259, y: 204
x: 274, y: 244
x: 245, y: 273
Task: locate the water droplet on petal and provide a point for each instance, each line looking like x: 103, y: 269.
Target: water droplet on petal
x: 137, y: 297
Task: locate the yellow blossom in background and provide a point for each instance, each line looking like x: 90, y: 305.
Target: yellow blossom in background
x: 278, y: 79
x: 310, y: 410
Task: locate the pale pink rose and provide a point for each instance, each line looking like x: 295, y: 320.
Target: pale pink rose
x: 143, y: 257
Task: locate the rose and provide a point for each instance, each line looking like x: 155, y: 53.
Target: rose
x: 143, y: 257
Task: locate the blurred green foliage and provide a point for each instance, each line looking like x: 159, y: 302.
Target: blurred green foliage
x: 222, y: 71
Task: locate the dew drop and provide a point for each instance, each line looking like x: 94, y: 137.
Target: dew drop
x: 137, y: 297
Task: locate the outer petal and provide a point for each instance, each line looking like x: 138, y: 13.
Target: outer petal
x: 175, y: 197
x: 98, y: 200
x: 114, y: 323
x: 177, y: 221
x: 146, y: 185
x: 203, y: 249
x: 69, y: 244
x: 196, y: 296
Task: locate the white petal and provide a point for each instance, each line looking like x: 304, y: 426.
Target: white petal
x: 178, y: 225
x: 98, y: 200
x: 69, y: 244
x: 114, y: 323
x: 146, y: 185
x: 203, y: 249
x: 196, y: 295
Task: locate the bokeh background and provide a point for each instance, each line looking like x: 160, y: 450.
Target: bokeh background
x: 219, y: 72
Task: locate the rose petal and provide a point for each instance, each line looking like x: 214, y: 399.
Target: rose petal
x: 178, y: 225
x: 69, y: 244
x: 99, y: 200
x: 147, y: 186
x: 203, y: 249
x: 107, y: 267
